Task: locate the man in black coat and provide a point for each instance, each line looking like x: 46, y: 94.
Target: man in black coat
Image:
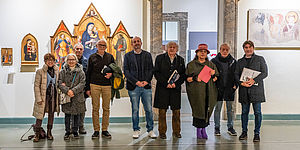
x: 84, y: 62
x: 226, y: 85
x: 252, y: 89
x: 168, y: 90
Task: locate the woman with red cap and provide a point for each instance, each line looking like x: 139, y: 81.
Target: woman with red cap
x: 202, y: 96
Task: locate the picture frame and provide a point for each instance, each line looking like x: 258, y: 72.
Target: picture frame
x: 6, y: 56
x: 29, y: 50
x: 274, y: 28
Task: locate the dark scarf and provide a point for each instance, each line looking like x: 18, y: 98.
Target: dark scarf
x: 226, y: 59
x: 51, y: 92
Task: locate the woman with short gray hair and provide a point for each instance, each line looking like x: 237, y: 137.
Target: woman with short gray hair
x: 71, y: 82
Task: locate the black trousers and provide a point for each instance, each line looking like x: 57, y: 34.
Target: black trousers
x: 74, y: 119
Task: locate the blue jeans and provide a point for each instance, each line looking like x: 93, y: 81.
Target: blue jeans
x: 146, y: 96
x: 257, y: 114
x: 229, y: 114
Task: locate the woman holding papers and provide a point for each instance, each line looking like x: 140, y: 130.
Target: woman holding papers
x: 201, y: 89
x: 251, y: 87
x: 169, y: 72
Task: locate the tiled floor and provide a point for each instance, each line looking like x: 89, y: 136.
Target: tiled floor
x: 275, y: 135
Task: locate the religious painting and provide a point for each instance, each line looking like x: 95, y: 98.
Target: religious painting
x: 62, y: 44
x: 274, y: 28
x: 6, y: 56
x: 119, y: 44
x: 29, y: 50
x: 90, y: 29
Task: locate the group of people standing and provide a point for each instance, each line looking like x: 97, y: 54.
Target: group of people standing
x: 81, y: 78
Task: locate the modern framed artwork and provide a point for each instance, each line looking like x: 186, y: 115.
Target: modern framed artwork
x: 90, y: 29
x: 119, y: 44
x: 62, y: 43
x: 29, y: 50
x: 6, y: 56
x: 274, y: 28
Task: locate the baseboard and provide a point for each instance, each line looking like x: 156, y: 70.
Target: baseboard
x: 60, y: 120
x: 273, y: 117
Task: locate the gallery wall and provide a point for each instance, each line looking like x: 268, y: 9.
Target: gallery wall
x: 41, y: 19
x: 282, y: 85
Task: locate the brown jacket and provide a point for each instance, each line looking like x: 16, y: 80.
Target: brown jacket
x: 40, y: 87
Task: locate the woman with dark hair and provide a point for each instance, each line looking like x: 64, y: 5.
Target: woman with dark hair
x: 45, y: 92
x: 202, y: 96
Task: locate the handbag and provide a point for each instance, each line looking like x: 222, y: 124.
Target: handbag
x: 65, y: 98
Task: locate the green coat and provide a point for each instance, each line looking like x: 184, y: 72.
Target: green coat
x: 196, y: 91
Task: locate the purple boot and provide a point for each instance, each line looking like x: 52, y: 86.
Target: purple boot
x: 199, y: 134
x: 203, y: 132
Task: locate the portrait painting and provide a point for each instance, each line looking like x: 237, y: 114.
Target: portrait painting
x: 61, y: 44
x: 274, y: 27
x: 29, y: 50
x: 90, y: 29
x: 119, y: 44
x: 6, y: 56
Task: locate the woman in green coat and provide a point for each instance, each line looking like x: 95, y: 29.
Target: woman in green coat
x: 202, y: 96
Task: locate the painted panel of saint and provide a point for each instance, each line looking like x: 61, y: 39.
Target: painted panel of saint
x: 29, y: 50
x: 89, y: 39
x: 62, y: 47
x: 6, y: 56
x: 120, y: 47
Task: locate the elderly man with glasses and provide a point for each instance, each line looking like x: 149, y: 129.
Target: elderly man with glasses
x: 98, y: 83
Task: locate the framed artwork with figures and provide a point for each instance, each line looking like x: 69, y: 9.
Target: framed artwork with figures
x: 29, y: 50
x: 274, y: 28
x: 90, y: 29
x: 6, y: 56
x: 119, y: 44
x: 62, y: 43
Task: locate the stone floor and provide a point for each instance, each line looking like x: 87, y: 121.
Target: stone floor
x: 275, y: 135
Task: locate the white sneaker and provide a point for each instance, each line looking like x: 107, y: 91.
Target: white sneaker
x: 152, y: 134
x: 136, y: 134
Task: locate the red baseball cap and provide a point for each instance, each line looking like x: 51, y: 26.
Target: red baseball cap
x: 202, y: 47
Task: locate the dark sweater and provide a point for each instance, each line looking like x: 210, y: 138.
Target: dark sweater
x: 95, y: 65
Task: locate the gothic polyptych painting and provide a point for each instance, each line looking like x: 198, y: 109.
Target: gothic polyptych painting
x: 90, y: 29
x: 119, y: 43
x: 6, y: 56
x: 29, y: 50
x: 62, y: 43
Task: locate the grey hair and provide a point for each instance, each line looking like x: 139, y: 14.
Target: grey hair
x: 101, y: 41
x: 225, y: 44
x: 172, y: 43
x: 77, y: 44
x: 71, y: 54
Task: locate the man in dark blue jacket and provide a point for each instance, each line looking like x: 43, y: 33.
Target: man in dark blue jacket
x: 138, y: 68
x: 251, y: 91
x: 78, y: 48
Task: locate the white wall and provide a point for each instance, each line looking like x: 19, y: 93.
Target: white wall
x: 202, y: 14
x: 41, y: 18
x: 282, y: 85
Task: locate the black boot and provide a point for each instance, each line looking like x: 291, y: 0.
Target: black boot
x: 37, y: 131
x: 49, y: 134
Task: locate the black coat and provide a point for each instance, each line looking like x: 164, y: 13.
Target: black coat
x: 165, y: 97
x: 254, y: 93
x: 225, y: 91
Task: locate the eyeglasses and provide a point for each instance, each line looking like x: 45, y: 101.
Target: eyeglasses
x: 78, y: 49
x: 71, y: 60
x: 50, y: 60
x: 202, y: 51
x: 103, y: 45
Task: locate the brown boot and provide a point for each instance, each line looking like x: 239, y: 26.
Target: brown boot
x: 37, y: 131
x: 49, y: 134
